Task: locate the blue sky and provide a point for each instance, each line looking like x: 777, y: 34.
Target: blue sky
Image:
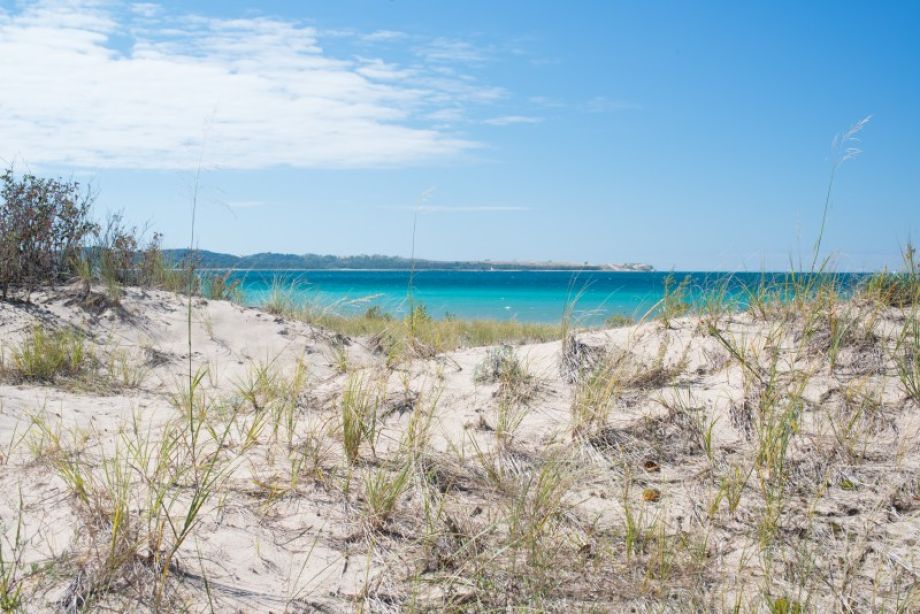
x: 685, y: 135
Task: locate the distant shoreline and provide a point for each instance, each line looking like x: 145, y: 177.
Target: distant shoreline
x: 676, y: 272
x: 293, y: 262
x: 427, y: 270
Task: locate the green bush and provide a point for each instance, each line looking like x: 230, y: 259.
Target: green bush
x: 44, y: 224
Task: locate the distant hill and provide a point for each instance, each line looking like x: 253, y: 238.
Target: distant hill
x: 268, y: 260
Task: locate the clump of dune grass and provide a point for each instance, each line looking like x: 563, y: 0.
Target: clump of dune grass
x: 136, y: 507
x: 382, y: 491
x: 908, y: 359
x: 417, y: 334
x: 618, y: 321
x: 269, y: 390
x: 66, y: 356
x: 359, y: 405
x: 675, y: 302
x: 49, y: 355
x: 516, y: 389
x: 593, y: 396
x: 501, y: 364
x: 280, y: 300
x: 219, y: 287
x: 900, y: 289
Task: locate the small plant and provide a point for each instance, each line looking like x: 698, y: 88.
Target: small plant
x: 376, y: 313
x: 908, y: 359
x: 594, y: 396
x: 382, y: 490
x: 511, y: 413
x: 219, y: 287
x: 359, y: 416
x: 618, y: 321
x: 675, y: 302
x: 12, y: 549
x: 49, y: 356
x: 281, y: 299
x: 122, y: 371
x: 784, y: 605
x: 340, y: 358
x: 898, y: 289
x: 276, y: 393
x: 731, y: 489
x: 500, y: 364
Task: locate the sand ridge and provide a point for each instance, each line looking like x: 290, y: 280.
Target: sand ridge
x: 644, y: 474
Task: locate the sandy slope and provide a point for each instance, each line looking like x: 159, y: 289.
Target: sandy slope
x: 264, y: 544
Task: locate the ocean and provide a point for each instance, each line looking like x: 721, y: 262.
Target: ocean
x: 527, y: 296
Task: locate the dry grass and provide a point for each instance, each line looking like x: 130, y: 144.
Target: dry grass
x: 66, y: 357
x: 416, y: 335
x: 779, y: 476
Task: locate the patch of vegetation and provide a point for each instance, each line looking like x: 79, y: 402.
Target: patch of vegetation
x: 897, y: 289
x: 219, y: 287
x: 66, y: 356
x: 49, y: 356
x: 417, y: 334
x: 44, y: 224
x: 618, y: 321
x: 500, y: 363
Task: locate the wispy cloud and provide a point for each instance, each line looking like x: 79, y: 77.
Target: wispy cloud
x: 384, y: 36
x: 507, y: 120
x: 102, y: 85
x: 546, y: 102
x: 450, y: 51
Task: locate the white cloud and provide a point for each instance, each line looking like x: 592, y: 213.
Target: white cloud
x: 447, y: 115
x: 507, y: 120
x: 145, y: 9
x: 97, y: 85
x: 449, y: 51
x: 546, y: 102
x: 383, y: 36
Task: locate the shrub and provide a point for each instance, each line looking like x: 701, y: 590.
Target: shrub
x: 114, y: 251
x: 43, y: 227
x: 498, y: 365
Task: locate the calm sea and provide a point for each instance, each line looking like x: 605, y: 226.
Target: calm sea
x: 529, y: 296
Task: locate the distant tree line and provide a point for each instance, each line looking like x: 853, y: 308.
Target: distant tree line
x: 268, y: 260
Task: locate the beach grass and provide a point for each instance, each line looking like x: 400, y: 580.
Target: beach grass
x: 413, y: 334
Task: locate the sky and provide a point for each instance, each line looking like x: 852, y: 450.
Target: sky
x: 691, y: 136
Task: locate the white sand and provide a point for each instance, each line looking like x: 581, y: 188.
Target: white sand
x: 310, y: 547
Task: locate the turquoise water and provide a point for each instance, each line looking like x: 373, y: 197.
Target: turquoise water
x: 527, y: 296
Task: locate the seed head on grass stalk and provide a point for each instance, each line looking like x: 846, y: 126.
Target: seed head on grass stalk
x: 843, y: 148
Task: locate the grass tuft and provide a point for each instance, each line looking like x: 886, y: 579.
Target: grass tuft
x: 48, y: 356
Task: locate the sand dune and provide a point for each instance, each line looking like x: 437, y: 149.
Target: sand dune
x: 703, y: 464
